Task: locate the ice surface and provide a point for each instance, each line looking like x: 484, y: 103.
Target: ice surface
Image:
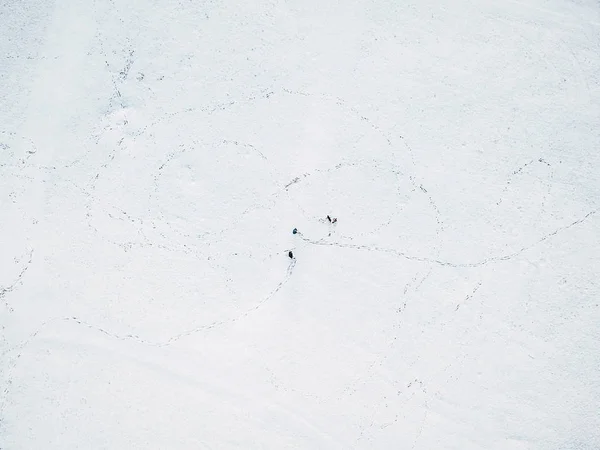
x: 156, y: 156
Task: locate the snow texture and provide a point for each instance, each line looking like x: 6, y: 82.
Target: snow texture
x: 155, y: 157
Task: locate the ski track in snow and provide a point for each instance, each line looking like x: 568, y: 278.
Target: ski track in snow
x: 483, y: 262
x: 4, y: 291
x: 171, y: 340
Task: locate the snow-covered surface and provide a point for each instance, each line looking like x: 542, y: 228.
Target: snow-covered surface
x: 156, y: 155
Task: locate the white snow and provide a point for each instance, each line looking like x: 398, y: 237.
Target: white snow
x: 156, y: 155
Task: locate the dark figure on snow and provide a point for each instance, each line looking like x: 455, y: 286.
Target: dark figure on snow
x: 329, y: 218
x: 290, y: 254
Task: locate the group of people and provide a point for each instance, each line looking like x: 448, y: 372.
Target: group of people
x: 295, y: 231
